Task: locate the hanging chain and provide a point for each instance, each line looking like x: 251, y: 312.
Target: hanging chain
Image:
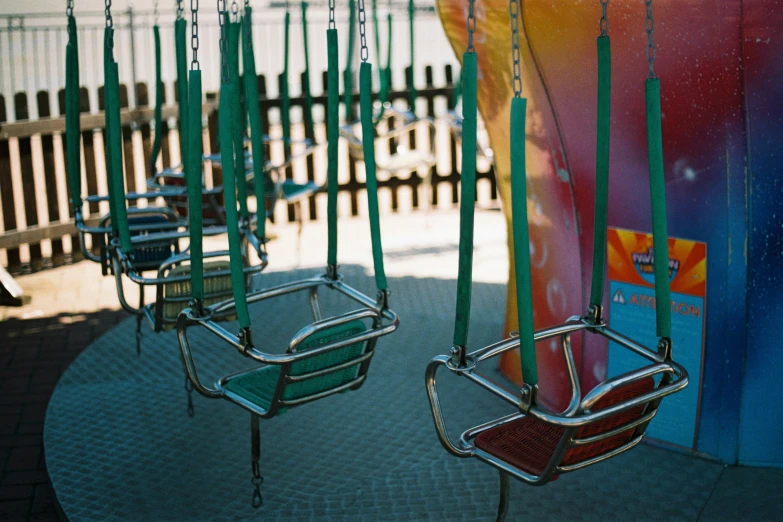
x: 516, y: 54
x: 604, y: 19
x: 189, y: 390
x: 180, y: 10
x: 248, y: 26
x: 471, y: 25
x: 69, y: 8
x: 234, y: 11
x: 365, y: 51
x: 650, y: 27
x: 221, y: 5
x: 155, y: 12
x: 332, y: 23
x: 107, y: 12
x: 194, y: 65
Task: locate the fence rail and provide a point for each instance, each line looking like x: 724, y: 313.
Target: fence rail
x: 36, y: 222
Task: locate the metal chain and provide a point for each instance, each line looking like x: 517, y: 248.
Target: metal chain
x: 234, y: 11
x: 471, y: 23
x: 516, y: 54
x: 604, y: 20
x: 107, y: 12
x: 194, y: 65
x: 221, y: 5
x: 257, y: 481
x: 180, y: 10
x: 69, y: 8
x: 189, y: 390
x: 365, y: 51
x: 155, y: 12
x: 332, y: 23
x: 650, y: 27
x: 248, y: 26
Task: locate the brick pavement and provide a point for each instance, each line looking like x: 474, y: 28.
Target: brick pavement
x: 71, y: 306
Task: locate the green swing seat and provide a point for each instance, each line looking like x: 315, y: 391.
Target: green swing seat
x: 259, y: 385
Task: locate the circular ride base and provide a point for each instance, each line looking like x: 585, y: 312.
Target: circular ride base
x: 121, y: 445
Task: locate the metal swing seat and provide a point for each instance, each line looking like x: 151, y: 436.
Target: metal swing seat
x: 534, y: 443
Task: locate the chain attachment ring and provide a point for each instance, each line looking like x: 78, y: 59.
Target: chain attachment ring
x: 221, y: 5
x: 516, y: 53
x: 332, y: 23
x: 604, y: 24
x: 649, y: 27
x: 180, y: 10
x: 471, y: 25
x: 69, y: 8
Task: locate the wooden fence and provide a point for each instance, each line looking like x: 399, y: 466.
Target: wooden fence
x: 36, y: 221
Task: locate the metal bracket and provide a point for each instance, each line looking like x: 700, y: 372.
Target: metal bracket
x: 459, y: 356
x: 595, y: 314
x: 245, y: 339
x: 332, y: 272
x: 665, y: 348
x: 383, y: 299
x: 527, y: 396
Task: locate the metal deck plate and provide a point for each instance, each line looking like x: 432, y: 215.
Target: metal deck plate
x: 120, y: 445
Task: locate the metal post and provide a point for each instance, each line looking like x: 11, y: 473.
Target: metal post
x: 135, y: 101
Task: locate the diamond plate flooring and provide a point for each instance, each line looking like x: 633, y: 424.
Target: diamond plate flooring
x: 121, y: 446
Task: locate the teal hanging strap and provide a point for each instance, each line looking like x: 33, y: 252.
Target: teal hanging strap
x: 658, y: 199
x: 158, y: 102
x: 456, y: 93
x: 193, y: 180
x: 412, y: 77
x: 467, y: 200
x: 113, y: 109
x: 254, y: 116
x: 180, y: 41
x: 522, y: 241
x: 229, y: 110
x: 308, y: 108
x: 333, y: 138
x: 285, y: 94
x: 348, y: 74
x: 108, y: 45
x: 601, y: 170
x: 233, y: 30
x: 368, y: 142
x: 72, y: 124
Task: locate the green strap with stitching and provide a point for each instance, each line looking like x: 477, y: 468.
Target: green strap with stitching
x: 368, y: 144
x: 113, y: 110
x: 333, y: 141
x: 254, y: 115
x: 180, y: 41
x: 348, y: 74
x: 285, y: 93
x: 521, y: 236
x: 107, y: 52
x: 233, y: 30
x: 601, y: 170
x: 467, y: 199
x: 193, y: 181
x: 158, y: 102
x: 308, y: 96
x: 229, y: 110
x: 658, y: 200
x: 72, y: 123
x: 412, y: 79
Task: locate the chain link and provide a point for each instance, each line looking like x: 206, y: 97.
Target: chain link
x: 69, y: 8
x: 650, y: 27
x: 604, y: 19
x: 471, y: 23
x: 248, y: 26
x: 516, y: 54
x: 365, y: 51
x: 107, y: 12
x: 194, y: 65
x: 180, y: 10
x: 234, y: 11
x: 221, y: 5
x: 155, y: 12
x: 332, y: 23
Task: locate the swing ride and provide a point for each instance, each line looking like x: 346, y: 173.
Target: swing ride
x: 533, y: 443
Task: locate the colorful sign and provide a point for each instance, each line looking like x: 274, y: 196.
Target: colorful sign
x: 632, y: 312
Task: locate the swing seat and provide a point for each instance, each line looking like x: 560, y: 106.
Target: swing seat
x: 259, y: 386
x: 530, y: 444
x: 176, y: 295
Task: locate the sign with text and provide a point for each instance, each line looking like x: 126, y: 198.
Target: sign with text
x: 632, y: 312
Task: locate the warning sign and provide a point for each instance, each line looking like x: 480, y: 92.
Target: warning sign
x: 632, y: 306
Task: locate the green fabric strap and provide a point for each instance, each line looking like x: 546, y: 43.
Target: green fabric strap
x: 308, y: 108
x: 229, y: 110
x: 233, y: 30
x: 411, y: 81
x: 333, y: 141
x: 368, y: 143
x: 158, y: 102
x: 193, y: 180
x: 663, y: 297
x: 522, y: 241
x: 601, y: 170
x: 387, y: 69
x: 467, y: 200
x: 285, y: 94
x: 113, y: 108
x: 254, y: 115
x: 72, y: 124
x: 180, y: 41
x: 107, y: 138
x: 348, y: 74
